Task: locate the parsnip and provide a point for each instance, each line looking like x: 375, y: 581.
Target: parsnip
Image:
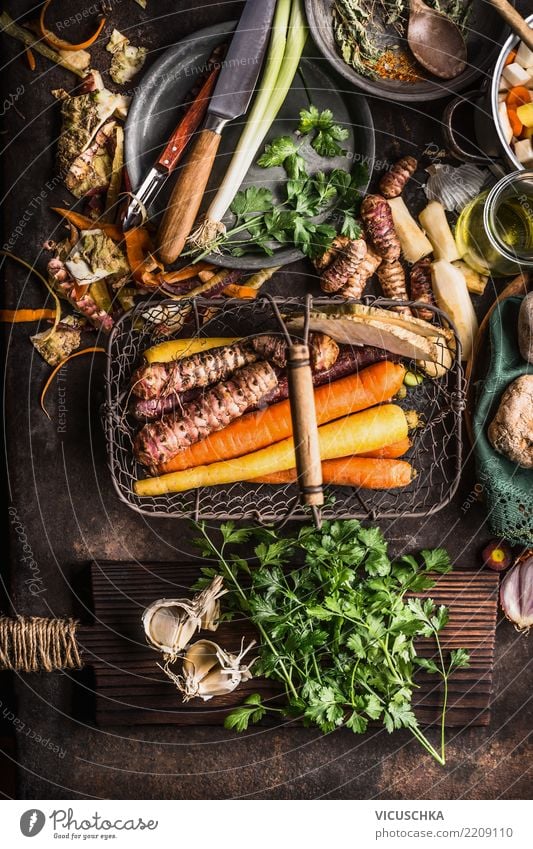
x: 433, y: 220
x: 451, y: 294
x: 413, y: 241
x: 475, y: 282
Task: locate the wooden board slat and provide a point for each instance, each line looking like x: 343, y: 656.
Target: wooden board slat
x: 132, y: 690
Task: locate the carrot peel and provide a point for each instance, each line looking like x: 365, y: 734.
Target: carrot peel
x: 59, y: 366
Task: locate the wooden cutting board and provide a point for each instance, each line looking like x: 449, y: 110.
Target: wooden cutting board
x: 131, y: 689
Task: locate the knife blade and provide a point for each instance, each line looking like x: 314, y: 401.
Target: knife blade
x: 231, y: 98
x: 171, y: 154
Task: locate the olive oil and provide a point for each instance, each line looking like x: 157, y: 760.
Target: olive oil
x: 494, y: 233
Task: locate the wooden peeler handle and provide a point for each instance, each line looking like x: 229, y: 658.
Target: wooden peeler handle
x: 187, y: 196
x: 304, y: 425
x: 515, y: 20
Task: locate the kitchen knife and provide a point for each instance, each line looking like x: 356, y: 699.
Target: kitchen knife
x: 231, y: 97
x: 169, y: 158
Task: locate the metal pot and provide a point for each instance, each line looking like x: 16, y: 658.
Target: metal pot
x: 486, y: 145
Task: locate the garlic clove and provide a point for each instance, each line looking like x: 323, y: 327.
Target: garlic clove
x: 170, y: 624
x: 208, y: 605
x: 208, y: 670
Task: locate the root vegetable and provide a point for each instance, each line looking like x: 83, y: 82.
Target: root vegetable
x: 355, y: 286
x: 475, y: 282
x: 451, y: 294
x: 175, y: 349
x: 433, y: 220
x: 393, y: 182
x: 344, y: 266
x: 516, y: 593
x: 156, y: 380
x: 390, y: 452
x: 525, y: 328
x: 159, y: 441
x: 420, y: 280
x: 373, y: 385
x: 354, y: 471
x: 323, y: 350
x: 414, y: 243
x: 377, y: 218
x: 496, y: 555
x: 392, y: 279
x: 337, y: 245
x: 365, y: 431
x: 511, y: 430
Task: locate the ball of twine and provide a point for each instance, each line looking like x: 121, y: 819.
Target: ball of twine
x: 37, y: 644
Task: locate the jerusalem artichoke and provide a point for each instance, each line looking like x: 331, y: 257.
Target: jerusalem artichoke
x: 343, y: 266
x: 355, y: 286
x: 377, y: 218
x: 420, y: 280
x: 392, y: 278
x: 393, y: 182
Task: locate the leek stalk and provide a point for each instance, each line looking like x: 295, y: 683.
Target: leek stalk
x: 287, y: 41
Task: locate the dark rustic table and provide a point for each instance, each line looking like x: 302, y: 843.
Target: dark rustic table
x: 63, y: 513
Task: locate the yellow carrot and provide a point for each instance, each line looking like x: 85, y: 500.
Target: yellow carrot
x: 174, y: 349
x: 365, y: 431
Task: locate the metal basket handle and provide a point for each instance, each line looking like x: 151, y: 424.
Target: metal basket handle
x: 303, y: 415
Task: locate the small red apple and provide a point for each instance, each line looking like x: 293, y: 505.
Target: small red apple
x: 497, y: 555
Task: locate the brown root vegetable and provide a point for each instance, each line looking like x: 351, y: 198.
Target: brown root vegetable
x: 511, y: 430
x: 337, y: 245
x: 323, y: 350
x: 377, y: 218
x: 393, y: 182
x: 157, y: 442
x: 420, y: 282
x: 355, y: 286
x: 343, y: 266
x: 392, y: 279
x: 156, y: 380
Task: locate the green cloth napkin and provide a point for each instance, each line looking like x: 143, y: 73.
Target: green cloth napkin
x: 507, y: 489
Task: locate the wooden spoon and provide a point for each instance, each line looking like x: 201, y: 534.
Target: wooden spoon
x: 436, y: 41
x: 515, y: 21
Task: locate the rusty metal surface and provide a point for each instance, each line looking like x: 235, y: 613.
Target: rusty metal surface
x: 63, y: 513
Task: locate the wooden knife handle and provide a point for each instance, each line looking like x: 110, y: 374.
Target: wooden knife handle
x: 515, y: 20
x: 304, y: 425
x: 188, y: 125
x: 187, y: 196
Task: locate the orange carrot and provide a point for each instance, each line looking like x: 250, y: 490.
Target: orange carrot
x: 354, y: 471
x: 186, y: 273
x: 517, y: 96
x: 373, y: 385
x: 16, y: 316
x: 236, y: 291
x: 511, y: 56
x: 83, y: 223
x: 515, y: 121
x: 31, y: 59
x: 59, y: 43
x: 391, y: 452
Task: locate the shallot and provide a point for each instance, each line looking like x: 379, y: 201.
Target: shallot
x: 516, y: 593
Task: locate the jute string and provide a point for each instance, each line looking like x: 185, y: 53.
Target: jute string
x: 35, y: 644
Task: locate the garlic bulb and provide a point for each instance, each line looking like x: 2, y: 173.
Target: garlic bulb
x: 170, y: 624
x: 516, y: 593
x: 209, y: 670
x: 454, y: 187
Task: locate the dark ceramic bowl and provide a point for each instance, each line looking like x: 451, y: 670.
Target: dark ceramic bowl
x: 485, y: 35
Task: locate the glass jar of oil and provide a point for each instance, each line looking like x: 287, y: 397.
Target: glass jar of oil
x: 494, y: 233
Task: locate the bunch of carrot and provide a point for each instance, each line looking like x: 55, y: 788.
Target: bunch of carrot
x: 361, y: 440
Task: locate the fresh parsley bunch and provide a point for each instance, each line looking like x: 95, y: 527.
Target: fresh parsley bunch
x: 293, y: 221
x: 339, y: 630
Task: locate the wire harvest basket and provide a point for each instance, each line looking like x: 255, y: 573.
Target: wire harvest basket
x: 435, y: 453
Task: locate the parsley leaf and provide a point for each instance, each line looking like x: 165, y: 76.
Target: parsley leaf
x: 251, y: 710
x: 277, y: 152
x: 251, y: 200
x: 328, y: 134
